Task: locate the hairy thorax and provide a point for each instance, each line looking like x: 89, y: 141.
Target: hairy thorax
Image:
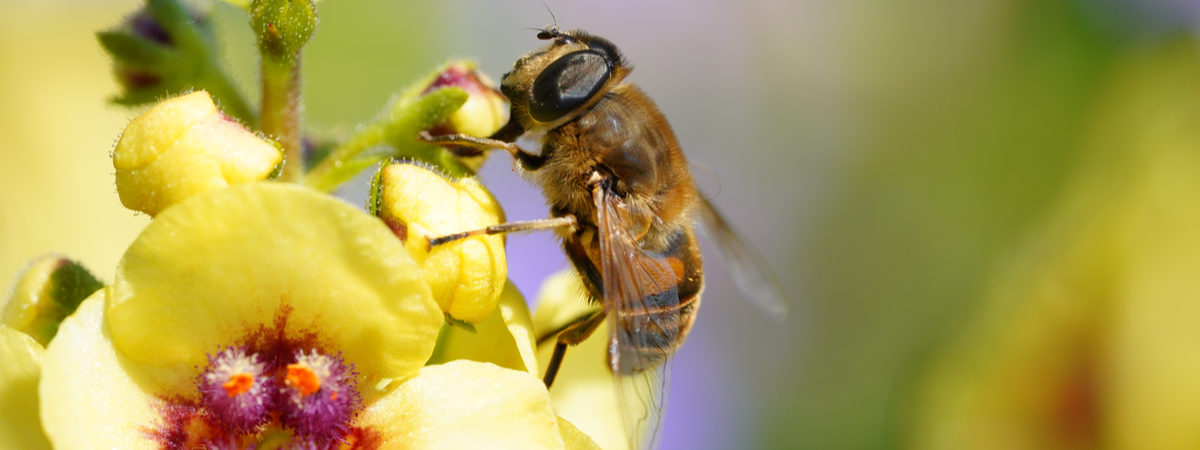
x: 626, y: 138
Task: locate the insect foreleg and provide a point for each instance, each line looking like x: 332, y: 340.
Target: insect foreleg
x: 479, y: 145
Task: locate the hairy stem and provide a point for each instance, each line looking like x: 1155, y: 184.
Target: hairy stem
x: 281, y: 112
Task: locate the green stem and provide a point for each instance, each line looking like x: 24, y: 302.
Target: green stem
x: 281, y: 111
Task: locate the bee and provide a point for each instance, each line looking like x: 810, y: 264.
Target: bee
x: 623, y: 202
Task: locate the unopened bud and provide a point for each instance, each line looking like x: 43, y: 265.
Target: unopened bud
x: 48, y: 291
x: 466, y: 275
x: 283, y: 26
x: 486, y: 109
x: 184, y: 146
x: 159, y: 50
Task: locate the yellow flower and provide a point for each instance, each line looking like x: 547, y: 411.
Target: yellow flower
x: 466, y: 276
x: 184, y: 146
x: 289, y: 298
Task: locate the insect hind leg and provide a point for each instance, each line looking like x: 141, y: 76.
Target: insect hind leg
x: 570, y: 336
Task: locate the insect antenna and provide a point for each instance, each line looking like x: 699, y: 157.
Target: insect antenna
x: 552, y: 18
x: 550, y: 32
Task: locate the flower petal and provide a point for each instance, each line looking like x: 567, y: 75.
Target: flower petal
x: 504, y: 339
x: 465, y: 404
x: 20, y: 426
x: 265, y: 259
x: 573, y: 438
x: 88, y: 399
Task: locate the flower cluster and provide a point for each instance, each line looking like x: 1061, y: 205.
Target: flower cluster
x: 256, y: 310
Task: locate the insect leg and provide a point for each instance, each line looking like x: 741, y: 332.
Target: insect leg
x: 478, y: 145
x: 572, y: 335
x: 510, y: 227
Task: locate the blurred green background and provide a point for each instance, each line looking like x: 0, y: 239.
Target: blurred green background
x: 986, y: 214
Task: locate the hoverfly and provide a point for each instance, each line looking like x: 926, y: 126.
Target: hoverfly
x: 623, y: 201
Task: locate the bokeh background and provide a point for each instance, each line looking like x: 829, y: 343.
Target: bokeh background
x: 986, y: 213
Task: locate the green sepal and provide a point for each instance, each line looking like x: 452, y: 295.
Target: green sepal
x: 133, y: 50
x: 375, y: 194
x: 396, y: 130
x: 451, y: 321
x: 48, y: 290
x: 424, y: 113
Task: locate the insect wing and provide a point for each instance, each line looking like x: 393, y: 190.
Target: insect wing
x: 642, y: 304
x: 749, y: 270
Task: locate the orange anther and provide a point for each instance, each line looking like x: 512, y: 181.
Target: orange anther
x: 303, y: 378
x: 238, y: 384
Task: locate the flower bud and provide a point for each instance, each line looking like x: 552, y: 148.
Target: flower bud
x: 148, y: 60
x: 467, y: 275
x: 48, y: 291
x: 184, y: 146
x: 283, y: 26
x: 486, y: 109
x: 166, y: 48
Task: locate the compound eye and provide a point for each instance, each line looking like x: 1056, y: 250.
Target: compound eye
x: 566, y: 84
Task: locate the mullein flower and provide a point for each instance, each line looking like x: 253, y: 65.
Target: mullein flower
x: 251, y: 314
x: 271, y: 314
x: 184, y: 146
x: 47, y: 291
x: 418, y: 204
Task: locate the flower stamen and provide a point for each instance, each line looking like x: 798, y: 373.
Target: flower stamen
x: 302, y: 378
x: 238, y: 384
x: 320, y: 397
x: 236, y: 389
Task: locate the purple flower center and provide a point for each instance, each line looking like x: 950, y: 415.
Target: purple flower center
x: 316, y: 397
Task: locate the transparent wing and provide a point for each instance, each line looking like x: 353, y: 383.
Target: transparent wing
x: 642, y: 304
x: 749, y: 270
